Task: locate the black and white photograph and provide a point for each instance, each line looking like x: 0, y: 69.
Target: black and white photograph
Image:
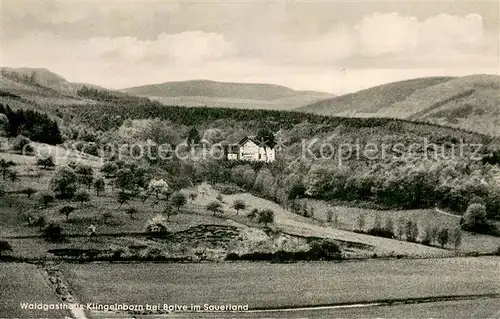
x: 169, y: 159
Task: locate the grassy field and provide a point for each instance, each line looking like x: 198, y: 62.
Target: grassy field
x: 25, y: 283
x: 262, y: 285
x: 473, y: 309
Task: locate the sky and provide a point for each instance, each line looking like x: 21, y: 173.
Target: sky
x: 333, y: 46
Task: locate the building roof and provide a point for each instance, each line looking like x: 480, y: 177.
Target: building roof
x: 256, y: 141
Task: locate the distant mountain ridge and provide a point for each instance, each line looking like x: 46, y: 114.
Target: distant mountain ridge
x: 227, y: 94
x: 208, y: 88
x: 471, y: 102
x: 45, y: 86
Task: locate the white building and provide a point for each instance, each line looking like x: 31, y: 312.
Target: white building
x: 250, y: 149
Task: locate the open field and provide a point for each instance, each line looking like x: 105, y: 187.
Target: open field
x: 25, y: 283
x: 262, y: 285
x: 473, y: 309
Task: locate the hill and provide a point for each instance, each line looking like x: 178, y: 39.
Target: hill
x: 469, y: 102
x: 226, y: 94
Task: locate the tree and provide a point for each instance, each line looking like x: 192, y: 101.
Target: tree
x: 123, y: 197
x: 124, y: 179
x: 361, y: 221
x: 12, y: 175
x: 253, y: 214
x: 66, y: 211
x: 4, y: 167
x: 389, y: 227
x: 169, y: 211
x: 82, y: 196
x: 178, y: 200
x: 85, y: 174
x: 400, y: 228
x: 109, y: 169
x: 193, y: 136
x: 215, y: 207
x: 106, y: 216
x: 443, y: 237
x: 52, y: 232
x: 4, y: 246
x: 266, y: 217
x: 64, y: 183
x: 22, y: 144
x: 411, y: 231
x: 427, y: 238
x: 131, y: 211
x: 336, y: 220
x: 377, y: 223
x: 457, y: 238
x: 45, y: 198
x: 193, y: 196
x: 475, y: 218
x: 329, y: 216
x: 239, y: 204
x: 29, y: 191
x: 45, y: 161
x: 99, y: 184
x: 266, y: 139
x: 158, y: 187
x: 41, y: 222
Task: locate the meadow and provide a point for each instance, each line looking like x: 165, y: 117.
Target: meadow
x: 262, y: 285
x: 25, y: 283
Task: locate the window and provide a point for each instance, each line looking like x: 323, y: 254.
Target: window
x: 260, y: 155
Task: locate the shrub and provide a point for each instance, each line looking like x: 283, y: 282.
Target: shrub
x: 64, y: 183
x: 81, y: 196
x: 4, y: 246
x: 157, y: 225
x: 52, y: 232
x: 325, y: 250
x: 239, y: 204
x: 45, y: 161
x: 220, y: 198
x: 475, y: 218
